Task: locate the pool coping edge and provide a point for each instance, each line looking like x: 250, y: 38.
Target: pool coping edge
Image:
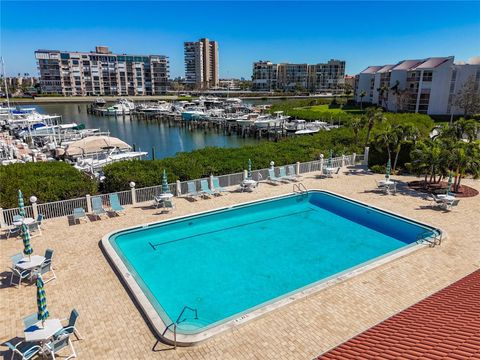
x: 193, y: 339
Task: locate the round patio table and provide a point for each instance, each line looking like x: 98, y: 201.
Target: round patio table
x: 30, y: 263
x: 26, y: 221
x: 37, y: 333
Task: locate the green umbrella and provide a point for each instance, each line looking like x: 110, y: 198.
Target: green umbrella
x: 165, y: 187
x: 388, y: 169
x: 27, y: 248
x: 249, y: 171
x: 330, y: 159
x: 21, y: 204
x: 42, y: 313
x: 450, y: 183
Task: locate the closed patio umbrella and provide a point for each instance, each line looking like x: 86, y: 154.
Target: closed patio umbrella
x: 165, y: 187
x: 42, y: 312
x: 21, y: 204
x: 388, y: 170
x: 249, y: 170
x: 27, y: 248
x: 330, y: 159
x: 450, y: 183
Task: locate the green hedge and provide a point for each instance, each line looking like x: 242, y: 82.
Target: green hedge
x: 50, y: 181
x: 219, y: 161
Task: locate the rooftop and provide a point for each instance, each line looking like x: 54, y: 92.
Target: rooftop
x: 443, y: 326
x: 113, y: 326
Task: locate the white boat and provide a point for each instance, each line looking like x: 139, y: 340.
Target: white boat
x: 94, y: 163
x: 277, y: 119
x: 160, y: 107
x: 121, y: 107
x: 307, y: 131
x: 99, y: 102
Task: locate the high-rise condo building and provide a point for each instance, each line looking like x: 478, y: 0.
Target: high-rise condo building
x: 201, y: 63
x: 427, y: 86
x: 101, y: 73
x: 323, y: 77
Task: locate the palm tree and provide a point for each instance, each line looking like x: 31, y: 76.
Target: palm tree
x: 362, y: 95
x: 404, y: 133
x: 386, y: 138
x: 466, y: 158
x: 427, y: 157
x: 357, y: 124
x: 372, y: 116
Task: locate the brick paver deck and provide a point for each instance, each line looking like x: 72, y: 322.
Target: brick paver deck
x: 113, y: 327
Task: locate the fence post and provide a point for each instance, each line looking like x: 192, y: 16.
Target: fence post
x: 2, y: 219
x: 89, y: 203
x: 35, y: 210
x: 354, y: 158
x: 210, y: 179
x: 365, y: 155
x: 178, y: 191
x: 321, y: 163
x: 245, y: 174
x: 297, y: 168
x: 343, y: 161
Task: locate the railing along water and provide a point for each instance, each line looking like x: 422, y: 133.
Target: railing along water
x: 65, y: 207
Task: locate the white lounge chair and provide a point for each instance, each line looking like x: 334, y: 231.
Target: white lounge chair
x: 216, y: 186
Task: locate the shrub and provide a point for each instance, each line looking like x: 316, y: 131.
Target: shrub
x: 378, y: 169
x: 48, y: 181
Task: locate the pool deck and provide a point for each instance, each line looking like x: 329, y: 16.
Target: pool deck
x: 114, y: 327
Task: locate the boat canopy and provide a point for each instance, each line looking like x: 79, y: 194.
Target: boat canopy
x: 95, y: 144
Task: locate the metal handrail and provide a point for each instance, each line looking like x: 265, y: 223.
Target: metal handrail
x: 431, y: 238
x: 174, y: 324
x: 301, y: 188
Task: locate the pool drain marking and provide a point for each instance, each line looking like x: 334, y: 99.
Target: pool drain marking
x: 154, y: 246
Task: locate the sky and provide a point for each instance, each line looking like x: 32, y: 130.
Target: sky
x: 361, y: 33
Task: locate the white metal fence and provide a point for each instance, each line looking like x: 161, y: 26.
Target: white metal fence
x: 133, y: 196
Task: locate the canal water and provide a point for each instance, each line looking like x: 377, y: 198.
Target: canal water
x: 166, y: 140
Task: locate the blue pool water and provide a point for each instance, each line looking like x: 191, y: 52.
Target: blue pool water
x: 226, y: 262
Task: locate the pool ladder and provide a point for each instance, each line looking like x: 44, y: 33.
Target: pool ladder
x: 176, y: 322
x: 300, y: 188
x: 432, y: 239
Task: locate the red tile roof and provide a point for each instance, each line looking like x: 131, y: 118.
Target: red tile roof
x: 445, y: 325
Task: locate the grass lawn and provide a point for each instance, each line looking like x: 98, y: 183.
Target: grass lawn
x: 324, y: 108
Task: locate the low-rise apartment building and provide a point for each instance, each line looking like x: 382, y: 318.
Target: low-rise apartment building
x: 426, y: 86
x: 322, y: 77
x: 101, y: 73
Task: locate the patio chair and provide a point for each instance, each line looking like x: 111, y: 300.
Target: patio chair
x: 204, y: 189
x: 192, y: 190
x: 17, y: 218
x: 283, y: 174
x: 16, y: 272
x: 47, y: 267
x: 452, y: 203
x: 291, y: 172
x: 97, y: 207
x: 70, y: 328
x: 36, y: 226
x: 326, y: 173
x: 13, y: 230
x: 57, y: 344
x: 115, y: 204
x: 437, y: 202
x: 272, y: 177
x: 79, y: 214
x: 168, y: 204
x: 30, y: 320
x: 216, y: 185
x: 26, y: 350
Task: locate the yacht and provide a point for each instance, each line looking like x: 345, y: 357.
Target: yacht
x: 277, y: 119
x: 121, y: 107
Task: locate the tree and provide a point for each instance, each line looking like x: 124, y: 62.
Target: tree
x: 373, y: 115
x: 468, y: 98
x: 426, y: 158
x: 387, y: 138
x: 461, y: 129
x: 404, y: 133
x: 347, y: 89
x: 357, y: 124
x: 466, y: 158
x: 362, y: 95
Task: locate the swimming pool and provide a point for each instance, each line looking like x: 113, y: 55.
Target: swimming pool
x: 210, y: 271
